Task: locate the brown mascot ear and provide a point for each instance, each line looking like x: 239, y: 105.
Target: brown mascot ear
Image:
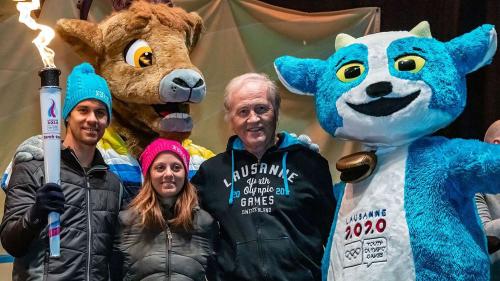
x: 195, y: 24
x: 83, y: 36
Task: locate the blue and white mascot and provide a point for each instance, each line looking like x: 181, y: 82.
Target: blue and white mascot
x: 413, y: 217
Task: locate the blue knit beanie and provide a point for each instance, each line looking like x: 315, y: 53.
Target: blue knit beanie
x: 84, y: 84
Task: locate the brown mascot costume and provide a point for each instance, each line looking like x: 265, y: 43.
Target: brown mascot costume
x: 142, y: 50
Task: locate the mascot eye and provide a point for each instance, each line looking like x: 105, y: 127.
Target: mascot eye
x: 350, y: 71
x: 411, y: 63
x: 139, y: 54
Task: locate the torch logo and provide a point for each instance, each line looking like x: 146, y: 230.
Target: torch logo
x: 52, y: 109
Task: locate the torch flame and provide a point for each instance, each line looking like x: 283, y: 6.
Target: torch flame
x: 46, y: 33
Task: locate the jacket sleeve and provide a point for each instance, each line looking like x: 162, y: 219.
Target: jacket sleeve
x: 199, y: 180
x: 482, y: 208
x: 18, y: 229
x: 213, y: 237
x: 327, y: 202
x: 117, y: 260
x: 491, y: 225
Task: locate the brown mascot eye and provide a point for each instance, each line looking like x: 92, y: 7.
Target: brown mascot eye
x: 145, y: 59
x: 138, y: 54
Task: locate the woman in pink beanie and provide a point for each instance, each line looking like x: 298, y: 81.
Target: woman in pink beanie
x: 163, y: 233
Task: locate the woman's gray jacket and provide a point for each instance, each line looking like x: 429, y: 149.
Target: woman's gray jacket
x: 164, y: 254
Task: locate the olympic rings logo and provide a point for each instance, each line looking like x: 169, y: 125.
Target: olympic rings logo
x: 353, y: 253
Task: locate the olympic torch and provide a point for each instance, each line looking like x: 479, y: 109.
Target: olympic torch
x: 50, y: 108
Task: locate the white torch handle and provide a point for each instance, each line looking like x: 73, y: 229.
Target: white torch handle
x: 50, y: 106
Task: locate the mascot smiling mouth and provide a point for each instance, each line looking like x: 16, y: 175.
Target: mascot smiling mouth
x: 171, y: 107
x: 175, y: 117
x: 384, y: 106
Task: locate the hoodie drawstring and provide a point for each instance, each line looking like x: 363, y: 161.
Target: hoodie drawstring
x: 231, y: 193
x: 285, y: 181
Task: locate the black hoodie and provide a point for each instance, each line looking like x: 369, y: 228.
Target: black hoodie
x: 271, y: 228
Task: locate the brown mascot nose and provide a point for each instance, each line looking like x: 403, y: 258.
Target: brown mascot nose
x: 379, y: 89
x: 181, y: 82
x: 182, y: 85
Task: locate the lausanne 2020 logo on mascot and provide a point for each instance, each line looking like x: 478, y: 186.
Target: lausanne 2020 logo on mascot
x: 413, y: 218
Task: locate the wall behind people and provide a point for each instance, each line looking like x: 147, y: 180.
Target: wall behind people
x: 239, y: 37
x: 448, y: 18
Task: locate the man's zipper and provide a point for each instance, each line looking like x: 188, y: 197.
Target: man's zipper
x: 89, y: 213
x: 89, y: 218
x: 89, y: 228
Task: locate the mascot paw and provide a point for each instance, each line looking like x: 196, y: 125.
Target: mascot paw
x: 29, y: 149
x: 195, y: 162
x: 306, y: 141
x: 356, y: 167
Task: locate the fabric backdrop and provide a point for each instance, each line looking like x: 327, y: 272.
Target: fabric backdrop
x: 239, y: 37
x: 448, y: 19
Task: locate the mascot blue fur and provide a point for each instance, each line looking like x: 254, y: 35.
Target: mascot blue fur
x: 414, y: 217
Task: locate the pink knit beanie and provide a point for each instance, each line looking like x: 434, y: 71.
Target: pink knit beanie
x: 162, y: 145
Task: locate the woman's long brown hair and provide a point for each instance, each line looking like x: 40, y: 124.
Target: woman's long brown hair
x: 148, y: 205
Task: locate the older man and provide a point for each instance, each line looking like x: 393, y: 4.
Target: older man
x: 488, y: 206
x: 271, y: 195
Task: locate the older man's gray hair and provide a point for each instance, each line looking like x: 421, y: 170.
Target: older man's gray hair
x: 237, y: 83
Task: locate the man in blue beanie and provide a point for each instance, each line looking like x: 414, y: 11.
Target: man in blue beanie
x: 88, y: 197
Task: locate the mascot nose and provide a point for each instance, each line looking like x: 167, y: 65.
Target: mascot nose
x: 379, y: 89
x: 182, y: 85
